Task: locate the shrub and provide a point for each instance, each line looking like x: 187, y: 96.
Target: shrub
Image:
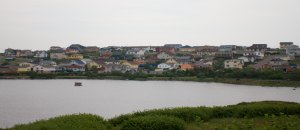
x: 242, y: 110
x: 68, y: 122
x: 154, y: 122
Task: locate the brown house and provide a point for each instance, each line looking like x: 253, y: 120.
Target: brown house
x: 91, y: 49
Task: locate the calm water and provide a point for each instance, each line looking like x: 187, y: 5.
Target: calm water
x: 23, y: 101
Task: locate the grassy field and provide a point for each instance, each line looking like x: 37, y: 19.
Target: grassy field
x: 269, y: 115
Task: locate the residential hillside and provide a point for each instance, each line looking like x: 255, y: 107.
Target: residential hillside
x: 77, y: 58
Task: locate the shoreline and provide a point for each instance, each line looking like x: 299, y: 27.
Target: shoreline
x: 250, y: 82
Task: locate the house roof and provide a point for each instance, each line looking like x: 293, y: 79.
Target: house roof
x: 78, y: 62
x: 74, y: 66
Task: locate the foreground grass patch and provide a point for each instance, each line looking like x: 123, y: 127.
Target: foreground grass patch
x: 256, y: 115
x: 68, y: 122
x: 154, y: 123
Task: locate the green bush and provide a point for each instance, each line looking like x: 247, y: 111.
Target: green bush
x: 154, y: 122
x: 242, y: 110
x: 67, y: 122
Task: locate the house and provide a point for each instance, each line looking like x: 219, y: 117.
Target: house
x: 92, y: 64
x: 76, y: 57
x: 118, y: 55
x: 184, y: 59
x: 72, y: 50
x: 233, y: 64
x: 171, y: 61
x: 151, y: 48
x: 26, y: 64
x: 224, y: 54
x: 111, y: 61
x: 43, y: 69
x: 139, y: 61
x: 91, y: 49
x: 257, y: 47
x: 284, y: 57
x: 106, y: 54
x: 278, y: 64
x: 170, y: 50
x: 165, y: 66
x: 248, y: 58
x: 137, y: 53
x: 292, y: 50
x: 147, y: 66
x: 40, y: 54
x: 10, y: 52
x: 74, y: 66
x: 187, y: 49
x: 164, y: 56
x: 227, y: 48
x: 77, y: 62
x: 271, y: 52
x: 58, y: 56
x: 132, y: 65
x: 272, y: 62
x: 204, y: 51
x: 119, y: 68
x: 56, y: 49
x: 135, y: 47
x: 258, y: 54
x: 186, y: 67
x: 24, y: 53
x: 24, y: 69
x: 77, y: 47
x: 47, y: 63
x: 176, y: 46
x: 283, y: 45
x: 206, y: 64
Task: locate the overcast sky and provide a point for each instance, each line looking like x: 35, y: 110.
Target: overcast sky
x: 39, y: 24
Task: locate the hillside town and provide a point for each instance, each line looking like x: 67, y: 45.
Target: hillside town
x: 150, y: 59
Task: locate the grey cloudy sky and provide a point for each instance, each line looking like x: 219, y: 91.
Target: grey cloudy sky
x: 39, y: 24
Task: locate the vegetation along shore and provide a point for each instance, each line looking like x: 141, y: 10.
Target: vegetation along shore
x: 240, y: 77
x: 254, y: 115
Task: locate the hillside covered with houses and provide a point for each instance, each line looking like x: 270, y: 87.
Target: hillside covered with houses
x: 154, y: 60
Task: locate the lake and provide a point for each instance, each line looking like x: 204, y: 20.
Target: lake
x: 23, y: 101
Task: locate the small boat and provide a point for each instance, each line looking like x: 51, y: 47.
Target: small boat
x: 78, y: 84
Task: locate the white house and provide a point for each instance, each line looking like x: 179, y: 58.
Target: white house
x: 247, y: 59
x: 44, y: 69
x: 293, y: 50
x: 164, y: 56
x: 233, y: 64
x: 259, y: 54
x: 166, y: 66
x: 41, y: 54
x: 137, y: 53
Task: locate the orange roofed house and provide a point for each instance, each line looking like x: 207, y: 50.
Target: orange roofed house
x: 186, y: 67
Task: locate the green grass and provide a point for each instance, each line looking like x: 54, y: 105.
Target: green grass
x: 268, y: 123
x: 256, y: 115
x: 151, y: 122
x: 68, y: 122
